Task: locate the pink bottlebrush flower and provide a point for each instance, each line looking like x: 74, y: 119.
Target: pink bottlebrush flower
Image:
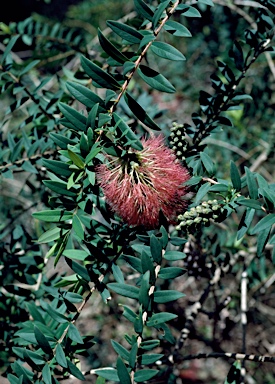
x: 140, y: 184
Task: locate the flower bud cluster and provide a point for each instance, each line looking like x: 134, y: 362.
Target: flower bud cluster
x: 201, y: 214
x: 177, y: 140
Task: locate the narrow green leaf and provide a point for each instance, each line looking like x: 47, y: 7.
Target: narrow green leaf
x: 58, y: 167
x: 122, y: 372
x: 84, y: 95
x: 207, y: 162
x: 165, y: 296
x: 28, y: 67
x: 177, y: 29
x: 143, y: 9
x: 74, y: 334
x: 155, y: 79
x: 126, y: 131
x: 245, y: 222
x: 188, y: 11
x: 133, y: 355
x: 78, y: 227
x: 124, y: 290
x: 250, y: 203
x: 120, y: 350
x: 202, y: 192
x: 171, y: 272
x: 133, y: 261
x: 77, y: 119
x: 174, y: 255
x: 42, y: 341
x: 53, y: 216
x: 147, y: 263
x: 139, y: 112
x: 159, y: 318
x: 61, y: 140
x: 156, y: 249
x: 235, y: 176
x: 125, y: 31
x: 97, y: 74
x: 166, y: 51
x: 151, y: 359
x: 75, y: 371
x: 264, y: 223
x: 76, y: 254
x: 76, y: 159
x: 107, y: 373
x: 262, y: 240
x: 9, y: 47
x: 50, y: 235
x: 144, y: 298
x: 60, y: 356
x: 145, y: 374
x: 78, y: 268
x: 251, y: 183
x: 148, y: 345
x: 59, y: 187
x: 110, y: 49
x: 159, y: 12
x: 46, y: 374
x: 118, y: 275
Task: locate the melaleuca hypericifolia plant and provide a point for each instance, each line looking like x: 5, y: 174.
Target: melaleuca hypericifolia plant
x: 114, y: 183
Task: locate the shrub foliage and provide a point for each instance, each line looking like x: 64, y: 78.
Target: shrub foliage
x: 73, y: 108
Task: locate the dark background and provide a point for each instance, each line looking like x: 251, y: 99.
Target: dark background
x: 16, y: 10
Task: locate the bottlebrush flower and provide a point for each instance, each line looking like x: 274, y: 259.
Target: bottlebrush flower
x: 142, y: 183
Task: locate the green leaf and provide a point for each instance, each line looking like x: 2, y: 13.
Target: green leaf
x: 171, y: 272
x: 42, y: 341
x: 78, y: 227
x: 235, y: 176
x: 84, y: 95
x: 28, y: 67
x: 129, y: 314
x: 250, y: 203
x: 97, y: 74
x: 166, y: 51
x: 126, y: 131
x: 125, y: 290
x: 134, y: 262
x: 145, y: 374
x: 144, y: 298
x: 251, y: 184
x: 125, y: 31
x: 58, y: 167
x: 74, y: 334
x: 159, y: 12
x: 133, y: 355
x: 54, y: 314
x: 245, y: 222
x: 78, y: 268
x: 155, y: 79
x: 174, y: 255
x: 202, y: 192
x: 120, y: 350
x: 188, y: 11
x: 61, y: 140
x: 118, y: 275
x: 143, y: 9
x: 207, y: 162
x: 156, y: 249
x: 237, y: 55
x: 60, y: 356
x: 50, y: 235
x: 14, y: 380
x: 159, y: 318
x: 150, y: 359
x: 177, y: 29
x: 33, y: 309
x: 107, y: 373
x: 46, y: 374
x: 265, y: 222
x: 110, y: 49
x: 76, y: 159
x: 75, y: 371
x: 53, y: 216
x: 122, y: 372
x: 147, y: 263
x: 9, y: 47
x: 148, y: 345
x: 207, y: 2
x: 165, y: 296
x: 59, y: 187
x: 77, y: 119
x: 139, y: 112
x: 262, y: 240
x: 76, y: 254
